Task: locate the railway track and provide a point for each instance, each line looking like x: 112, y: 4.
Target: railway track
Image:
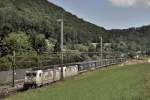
x: 9, y: 90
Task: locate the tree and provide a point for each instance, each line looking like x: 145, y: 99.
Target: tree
x: 81, y: 47
x: 17, y: 41
x: 92, y: 48
x: 57, y: 47
x: 38, y: 42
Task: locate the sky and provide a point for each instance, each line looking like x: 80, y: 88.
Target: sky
x: 110, y: 14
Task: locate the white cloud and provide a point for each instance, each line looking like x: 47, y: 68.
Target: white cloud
x: 126, y: 3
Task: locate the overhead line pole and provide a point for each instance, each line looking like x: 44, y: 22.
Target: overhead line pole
x: 101, y: 51
x: 61, y: 44
x: 101, y: 48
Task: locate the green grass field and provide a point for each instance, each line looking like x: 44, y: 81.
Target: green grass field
x: 130, y: 82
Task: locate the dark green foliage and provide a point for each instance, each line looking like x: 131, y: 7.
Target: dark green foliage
x: 5, y: 62
x: 38, y: 42
x: 57, y: 47
x: 16, y: 41
x: 39, y: 16
x: 131, y: 40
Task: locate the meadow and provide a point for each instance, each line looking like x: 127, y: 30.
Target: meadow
x: 130, y: 82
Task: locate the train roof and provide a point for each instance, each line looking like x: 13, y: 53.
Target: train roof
x: 59, y: 65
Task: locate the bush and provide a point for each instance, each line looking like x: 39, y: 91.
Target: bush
x: 16, y: 41
x: 6, y: 62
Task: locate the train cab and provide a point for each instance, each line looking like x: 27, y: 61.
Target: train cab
x: 33, y: 78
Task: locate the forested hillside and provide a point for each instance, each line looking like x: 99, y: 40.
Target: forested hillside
x: 40, y: 16
x: 131, y: 40
x: 30, y: 28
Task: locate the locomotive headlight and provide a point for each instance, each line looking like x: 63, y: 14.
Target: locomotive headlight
x: 26, y: 78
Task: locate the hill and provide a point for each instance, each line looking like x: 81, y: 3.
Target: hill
x: 131, y: 40
x: 39, y: 16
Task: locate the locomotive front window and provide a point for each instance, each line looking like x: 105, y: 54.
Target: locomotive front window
x: 28, y: 74
x: 34, y: 74
x: 31, y: 74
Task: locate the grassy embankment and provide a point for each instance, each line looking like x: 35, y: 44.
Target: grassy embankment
x: 130, y: 82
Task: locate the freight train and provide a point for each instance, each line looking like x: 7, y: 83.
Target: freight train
x: 39, y: 77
